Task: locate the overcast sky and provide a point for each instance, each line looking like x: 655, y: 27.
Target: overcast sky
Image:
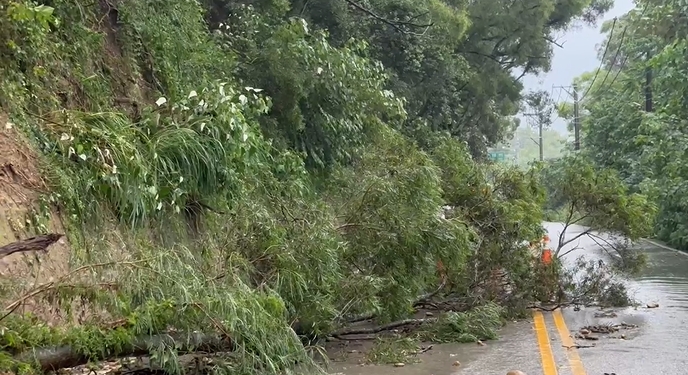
x: 578, y: 56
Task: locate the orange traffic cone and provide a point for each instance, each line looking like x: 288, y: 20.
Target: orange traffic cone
x: 547, y: 256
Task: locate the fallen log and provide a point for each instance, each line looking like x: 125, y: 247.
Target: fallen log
x: 55, y: 358
x: 385, y: 327
x: 30, y: 244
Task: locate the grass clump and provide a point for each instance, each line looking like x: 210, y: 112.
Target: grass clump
x: 171, y: 292
x: 174, y: 156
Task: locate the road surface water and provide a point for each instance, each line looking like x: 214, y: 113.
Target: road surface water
x: 547, y: 344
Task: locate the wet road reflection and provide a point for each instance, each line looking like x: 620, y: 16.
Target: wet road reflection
x: 658, y: 345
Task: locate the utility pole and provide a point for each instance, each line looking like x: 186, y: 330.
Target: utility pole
x: 576, y: 120
x: 648, y: 85
x: 541, y: 105
x: 540, y: 123
x: 542, y: 145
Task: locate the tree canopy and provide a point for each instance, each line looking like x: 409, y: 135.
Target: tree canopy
x: 457, y: 64
x: 646, y: 148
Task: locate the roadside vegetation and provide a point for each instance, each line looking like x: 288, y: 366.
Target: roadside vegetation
x: 633, y: 119
x: 250, y: 178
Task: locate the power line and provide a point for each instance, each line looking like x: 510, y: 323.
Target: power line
x: 568, y: 93
x: 618, y: 72
x: 616, y: 75
x: 560, y: 91
x: 622, y: 97
x: 556, y: 102
x: 604, y: 55
x: 616, y: 56
x: 618, y: 50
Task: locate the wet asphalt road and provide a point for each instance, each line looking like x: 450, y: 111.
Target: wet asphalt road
x: 659, y: 344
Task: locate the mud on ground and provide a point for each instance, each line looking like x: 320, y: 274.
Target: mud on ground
x: 21, y: 186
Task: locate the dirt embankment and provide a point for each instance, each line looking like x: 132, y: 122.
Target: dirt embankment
x: 21, y: 187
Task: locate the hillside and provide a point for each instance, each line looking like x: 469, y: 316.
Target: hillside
x: 227, y: 174
x: 21, y: 211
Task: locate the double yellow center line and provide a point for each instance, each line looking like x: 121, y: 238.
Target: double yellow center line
x: 549, y: 366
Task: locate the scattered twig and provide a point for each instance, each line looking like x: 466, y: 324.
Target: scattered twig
x: 577, y: 346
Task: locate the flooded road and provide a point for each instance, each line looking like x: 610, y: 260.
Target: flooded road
x: 657, y: 344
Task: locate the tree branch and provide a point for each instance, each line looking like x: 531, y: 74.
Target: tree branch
x: 42, y: 288
x: 579, y: 235
x: 30, y: 244
x: 597, y: 240
x: 562, y: 235
x: 426, y: 298
x: 554, y: 42
x: 385, y: 327
x: 395, y: 24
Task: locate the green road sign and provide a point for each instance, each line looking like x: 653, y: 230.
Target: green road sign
x: 499, y: 155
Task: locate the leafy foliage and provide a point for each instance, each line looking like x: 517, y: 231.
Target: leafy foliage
x: 451, y: 72
x: 390, y: 202
x: 597, y: 198
x: 478, y: 324
x: 327, y: 99
x: 308, y: 166
x: 611, y: 216
x: 504, y: 206
x: 647, y: 149
x: 188, y: 149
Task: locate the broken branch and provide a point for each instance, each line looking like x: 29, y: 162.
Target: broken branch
x: 30, y: 244
x: 384, y: 327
